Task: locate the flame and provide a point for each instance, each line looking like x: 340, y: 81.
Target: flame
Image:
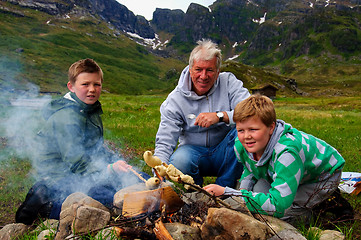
x: 169, y: 218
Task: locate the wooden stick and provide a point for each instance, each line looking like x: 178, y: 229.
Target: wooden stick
x: 161, y: 232
x: 157, y: 174
x: 137, y: 174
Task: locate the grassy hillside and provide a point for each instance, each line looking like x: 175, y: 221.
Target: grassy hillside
x: 321, y: 50
x: 39, y: 48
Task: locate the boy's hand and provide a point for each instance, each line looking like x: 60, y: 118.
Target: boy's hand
x: 214, y: 189
x: 119, y: 167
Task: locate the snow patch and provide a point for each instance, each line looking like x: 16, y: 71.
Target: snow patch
x: 251, y: 2
x: 261, y: 20
x: 232, y: 58
x: 155, y: 43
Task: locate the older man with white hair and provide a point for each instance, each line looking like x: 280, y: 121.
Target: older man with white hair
x: 197, y: 119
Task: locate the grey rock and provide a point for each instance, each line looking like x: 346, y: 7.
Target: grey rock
x: 331, y: 235
x: 70, y: 216
x: 13, y: 231
x: 288, y: 234
x: 89, y: 219
x: 44, y: 235
x: 183, y: 232
x: 223, y: 223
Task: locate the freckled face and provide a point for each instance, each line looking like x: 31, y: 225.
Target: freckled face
x: 254, y: 135
x: 87, y: 87
x: 203, y: 74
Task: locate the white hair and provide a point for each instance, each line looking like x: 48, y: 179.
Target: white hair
x: 206, y: 50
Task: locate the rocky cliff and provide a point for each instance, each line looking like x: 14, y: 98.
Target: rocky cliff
x: 259, y: 26
x: 110, y: 11
x: 256, y: 31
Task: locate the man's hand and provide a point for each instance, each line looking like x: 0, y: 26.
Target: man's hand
x: 119, y: 167
x: 207, y: 119
x: 214, y: 189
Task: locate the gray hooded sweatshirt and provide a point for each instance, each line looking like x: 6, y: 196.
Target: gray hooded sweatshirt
x: 177, y: 125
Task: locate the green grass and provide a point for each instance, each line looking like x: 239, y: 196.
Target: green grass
x: 335, y: 120
x: 132, y: 120
x: 131, y: 123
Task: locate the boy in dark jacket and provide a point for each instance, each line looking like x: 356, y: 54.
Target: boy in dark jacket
x: 71, y: 153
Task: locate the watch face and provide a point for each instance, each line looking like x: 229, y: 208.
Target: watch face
x: 220, y: 114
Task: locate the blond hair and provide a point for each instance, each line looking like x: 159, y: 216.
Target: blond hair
x: 255, y: 105
x: 206, y: 50
x: 84, y: 65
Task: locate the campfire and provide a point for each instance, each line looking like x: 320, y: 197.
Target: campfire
x: 167, y: 206
x: 150, y: 208
x: 155, y: 203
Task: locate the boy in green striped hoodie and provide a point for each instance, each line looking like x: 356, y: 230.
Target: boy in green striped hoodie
x: 287, y: 173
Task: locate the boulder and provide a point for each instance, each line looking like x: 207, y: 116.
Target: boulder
x: 183, y: 232
x: 46, y: 234
x: 326, y: 234
x: 13, y: 231
x: 288, y: 234
x: 74, y: 211
x: 88, y: 219
x: 276, y: 224
x: 331, y: 235
x: 223, y: 223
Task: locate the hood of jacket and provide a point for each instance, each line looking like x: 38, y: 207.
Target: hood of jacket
x: 185, y: 85
x: 70, y: 100
x: 275, y: 137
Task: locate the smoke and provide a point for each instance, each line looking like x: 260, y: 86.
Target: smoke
x: 20, y: 104
x: 23, y: 120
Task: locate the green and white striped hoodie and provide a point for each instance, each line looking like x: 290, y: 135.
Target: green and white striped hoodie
x: 291, y: 158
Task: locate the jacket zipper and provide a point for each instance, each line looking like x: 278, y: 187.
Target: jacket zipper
x: 207, y: 135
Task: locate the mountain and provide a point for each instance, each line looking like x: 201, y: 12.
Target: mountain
x: 40, y: 39
x: 314, y: 42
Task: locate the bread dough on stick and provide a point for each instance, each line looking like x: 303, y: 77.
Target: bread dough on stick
x: 151, y: 160
x: 152, y: 183
x: 175, y: 175
x: 162, y: 170
x: 167, y: 171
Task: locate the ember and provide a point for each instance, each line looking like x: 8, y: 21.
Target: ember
x: 193, y: 214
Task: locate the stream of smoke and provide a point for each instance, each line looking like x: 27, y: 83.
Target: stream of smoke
x: 20, y: 104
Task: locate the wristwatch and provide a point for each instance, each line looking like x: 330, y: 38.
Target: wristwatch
x: 220, y: 115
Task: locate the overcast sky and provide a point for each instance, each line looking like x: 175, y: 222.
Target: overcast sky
x: 147, y: 7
